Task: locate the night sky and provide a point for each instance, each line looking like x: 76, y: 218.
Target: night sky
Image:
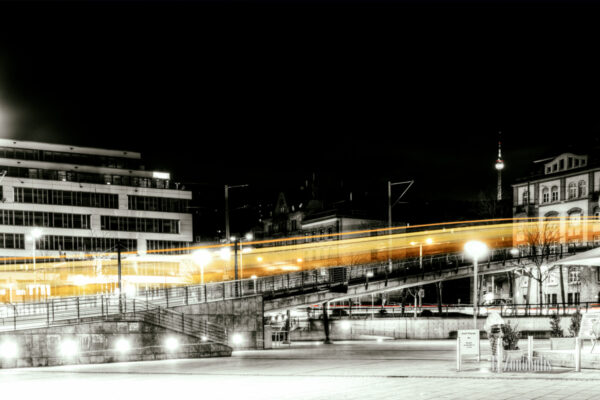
x: 266, y: 94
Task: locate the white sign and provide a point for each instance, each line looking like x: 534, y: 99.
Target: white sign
x: 469, y: 342
x: 588, y: 324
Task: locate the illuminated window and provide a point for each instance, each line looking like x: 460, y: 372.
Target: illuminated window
x: 582, y: 188
x: 545, y: 195
x: 554, y: 193
x: 572, y: 190
x: 574, y: 277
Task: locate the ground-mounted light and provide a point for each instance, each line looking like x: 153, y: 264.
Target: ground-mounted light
x: 237, y: 339
x: 514, y: 252
x: 69, y: 348
x: 370, y: 274
x: 171, y: 343
x: 123, y: 346
x: 379, y: 340
x: 345, y: 325
x: 9, y: 349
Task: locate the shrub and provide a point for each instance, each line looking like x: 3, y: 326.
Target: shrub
x: 555, y: 329
x: 510, y: 337
x: 575, y: 323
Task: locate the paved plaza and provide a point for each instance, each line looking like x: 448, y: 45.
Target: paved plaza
x: 344, y: 370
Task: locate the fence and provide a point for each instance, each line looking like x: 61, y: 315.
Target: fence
x: 26, y: 315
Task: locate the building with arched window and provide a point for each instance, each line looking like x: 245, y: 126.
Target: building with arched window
x: 565, y: 186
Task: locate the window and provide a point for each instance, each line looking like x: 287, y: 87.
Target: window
x: 572, y: 190
x: 554, y: 193
x: 573, y: 298
x: 526, y: 197
x: 574, y: 275
x: 581, y: 188
x: 561, y: 164
x: 545, y: 195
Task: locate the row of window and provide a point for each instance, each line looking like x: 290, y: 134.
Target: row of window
x: 45, y: 219
x: 76, y: 243
x: 68, y: 158
x: 134, y: 224
x: 12, y: 241
x: 572, y: 298
x: 167, y: 244
x: 575, y: 190
x: 85, y: 177
x: 66, y: 198
x: 571, y: 163
x: 164, y: 204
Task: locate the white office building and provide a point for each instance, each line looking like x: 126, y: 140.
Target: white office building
x: 85, y: 199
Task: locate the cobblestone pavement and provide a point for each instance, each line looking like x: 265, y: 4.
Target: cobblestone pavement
x: 344, y: 370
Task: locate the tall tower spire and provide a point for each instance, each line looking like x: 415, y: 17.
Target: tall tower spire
x: 499, y: 166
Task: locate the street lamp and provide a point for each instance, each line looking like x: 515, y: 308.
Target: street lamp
x: 427, y: 241
x: 475, y: 249
x: 35, y: 234
x: 202, y: 258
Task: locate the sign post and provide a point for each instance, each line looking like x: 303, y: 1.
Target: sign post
x: 467, y: 344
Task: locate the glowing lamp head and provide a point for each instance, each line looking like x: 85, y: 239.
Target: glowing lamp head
x: 36, y: 233
x: 201, y: 257
x: 225, y: 253
x: 475, y: 249
x: 429, y: 240
x: 514, y: 252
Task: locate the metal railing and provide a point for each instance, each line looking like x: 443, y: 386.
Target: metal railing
x: 66, y: 311
x: 24, y: 315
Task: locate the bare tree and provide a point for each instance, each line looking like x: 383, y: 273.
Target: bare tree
x: 541, y: 239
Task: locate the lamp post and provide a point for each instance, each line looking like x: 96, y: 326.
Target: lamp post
x: 427, y: 241
x: 475, y: 249
x: 202, y: 258
x: 36, y: 233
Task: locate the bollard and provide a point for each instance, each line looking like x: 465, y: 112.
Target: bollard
x: 577, y: 354
x: 499, y: 349
x: 458, y: 354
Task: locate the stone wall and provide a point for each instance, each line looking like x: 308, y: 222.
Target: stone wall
x: 97, y: 344
x: 243, y: 318
x: 414, y: 328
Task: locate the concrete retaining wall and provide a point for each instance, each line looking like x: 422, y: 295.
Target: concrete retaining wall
x: 241, y: 317
x: 413, y: 328
x: 97, y: 344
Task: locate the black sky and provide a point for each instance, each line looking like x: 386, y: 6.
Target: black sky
x: 264, y: 93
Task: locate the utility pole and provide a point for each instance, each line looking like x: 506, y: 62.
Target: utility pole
x: 227, y: 187
x: 390, y: 205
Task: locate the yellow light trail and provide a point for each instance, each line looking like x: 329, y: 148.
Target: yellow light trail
x: 94, y: 273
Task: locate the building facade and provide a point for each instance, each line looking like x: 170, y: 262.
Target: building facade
x: 84, y: 200
x: 561, y: 189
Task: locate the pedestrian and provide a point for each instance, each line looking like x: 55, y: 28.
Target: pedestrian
x: 493, y: 327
